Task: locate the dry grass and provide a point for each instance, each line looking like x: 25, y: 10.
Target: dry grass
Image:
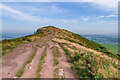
x: 79, y: 47
x: 56, y: 55
x: 41, y: 63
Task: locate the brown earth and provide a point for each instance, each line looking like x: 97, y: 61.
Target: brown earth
x: 31, y: 68
x: 12, y: 62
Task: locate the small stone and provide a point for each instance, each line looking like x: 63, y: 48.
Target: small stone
x: 61, y: 72
x: 9, y: 73
x: 28, y: 67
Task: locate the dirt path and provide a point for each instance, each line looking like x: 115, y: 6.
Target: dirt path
x: 30, y: 69
x: 47, y: 67
x: 12, y: 62
x: 68, y: 73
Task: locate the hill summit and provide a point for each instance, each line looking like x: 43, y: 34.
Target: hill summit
x: 57, y: 53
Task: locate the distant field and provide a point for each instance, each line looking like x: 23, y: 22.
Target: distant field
x: 103, y: 39
x: 113, y: 48
x: 109, y: 41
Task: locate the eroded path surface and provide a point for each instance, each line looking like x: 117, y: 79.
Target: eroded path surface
x: 30, y: 69
x: 65, y: 66
x: 12, y: 62
x: 47, y: 67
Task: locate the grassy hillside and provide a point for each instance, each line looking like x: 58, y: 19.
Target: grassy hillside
x: 9, y: 45
x: 75, y: 38
x: 87, y: 58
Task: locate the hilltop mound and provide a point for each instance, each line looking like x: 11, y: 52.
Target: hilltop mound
x: 59, y: 54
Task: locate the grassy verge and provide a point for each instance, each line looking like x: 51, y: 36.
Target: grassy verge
x: 9, y: 45
x: 75, y: 38
x: 82, y: 70
x: 40, y: 63
x: 21, y: 71
x: 56, y: 55
x: 89, y: 65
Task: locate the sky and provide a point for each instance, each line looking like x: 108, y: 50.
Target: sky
x: 79, y: 17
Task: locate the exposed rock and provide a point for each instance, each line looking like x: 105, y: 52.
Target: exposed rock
x: 39, y: 30
x: 61, y: 72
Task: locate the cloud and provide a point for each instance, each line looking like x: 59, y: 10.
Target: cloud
x: 106, y: 5
x: 85, y: 18
x: 109, y: 16
x: 59, y: 0
x: 38, y: 13
x: 18, y: 14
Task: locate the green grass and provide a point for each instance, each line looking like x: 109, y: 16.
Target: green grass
x: 9, y: 45
x: 21, y: 71
x: 56, y: 62
x: 82, y: 73
x: 56, y: 75
x: 87, y: 64
x: 89, y: 44
x: 40, y: 63
x: 76, y: 38
x: 113, y: 48
x: 56, y: 55
x: 56, y: 71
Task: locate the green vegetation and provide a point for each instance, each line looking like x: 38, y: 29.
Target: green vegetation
x: 89, y: 65
x: 109, y: 41
x: 113, y: 48
x: 56, y: 71
x: 75, y: 38
x: 21, y: 71
x: 104, y: 39
x: 56, y: 74
x: 81, y: 72
x: 56, y: 55
x: 9, y: 45
x: 40, y: 63
x: 56, y: 62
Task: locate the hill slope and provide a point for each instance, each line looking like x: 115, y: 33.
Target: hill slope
x: 56, y: 53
